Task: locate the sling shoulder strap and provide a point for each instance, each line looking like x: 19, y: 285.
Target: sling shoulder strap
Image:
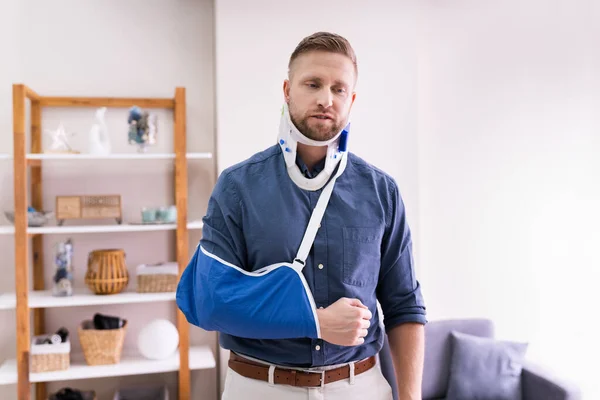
x: 317, y: 216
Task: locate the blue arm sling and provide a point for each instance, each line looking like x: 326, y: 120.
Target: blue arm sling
x: 273, y: 302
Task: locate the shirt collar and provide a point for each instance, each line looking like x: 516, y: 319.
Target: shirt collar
x: 304, y: 169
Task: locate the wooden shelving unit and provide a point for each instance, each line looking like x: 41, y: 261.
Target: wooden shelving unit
x: 25, y: 301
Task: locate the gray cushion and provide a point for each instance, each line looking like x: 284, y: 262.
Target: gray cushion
x: 438, y: 351
x: 485, y: 368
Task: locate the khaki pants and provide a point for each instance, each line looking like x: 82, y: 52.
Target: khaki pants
x: 369, y: 385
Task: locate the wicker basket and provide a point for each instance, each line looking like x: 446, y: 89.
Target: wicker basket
x: 157, y: 278
x: 49, y: 357
x: 107, y: 271
x: 101, y: 346
x: 156, y: 283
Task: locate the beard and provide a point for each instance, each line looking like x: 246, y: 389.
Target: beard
x: 313, y: 128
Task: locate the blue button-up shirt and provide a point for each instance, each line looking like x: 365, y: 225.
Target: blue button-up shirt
x: 257, y: 216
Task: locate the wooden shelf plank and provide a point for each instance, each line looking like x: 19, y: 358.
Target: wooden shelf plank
x: 82, y: 297
x: 54, y: 101
x: 115, y: 228
x: 201, y: 357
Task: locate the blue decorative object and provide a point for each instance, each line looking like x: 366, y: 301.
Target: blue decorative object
x: 148, y: 215
x: 135, y: 114
x: 63, y: 277
x: 142, y: 128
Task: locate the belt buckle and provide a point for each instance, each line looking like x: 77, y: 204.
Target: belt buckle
x: 321, y: 379
x: 322, y: 373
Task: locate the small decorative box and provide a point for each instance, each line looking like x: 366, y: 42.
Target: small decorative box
x: 88, y: 207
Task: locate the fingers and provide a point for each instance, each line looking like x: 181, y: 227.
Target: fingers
x: 366, y: 314
x: 365, y: 324
x: 357, y: 303
x: 362, y: 333
x: 354, y: 302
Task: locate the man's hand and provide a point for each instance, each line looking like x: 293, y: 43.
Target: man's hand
x: 345, y: 322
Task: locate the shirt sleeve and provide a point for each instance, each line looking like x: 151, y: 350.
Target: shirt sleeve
x: 222, y: 233
x: 398, y: 290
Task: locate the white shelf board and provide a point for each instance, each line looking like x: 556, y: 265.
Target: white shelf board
x: 124, y: 227
x: 8, y: 301
x: 114, y: 156
x: 82, y: 297
x: 5, y: 156
x: 201, y: 357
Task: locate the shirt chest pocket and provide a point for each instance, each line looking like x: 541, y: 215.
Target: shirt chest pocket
x: 362, y: 255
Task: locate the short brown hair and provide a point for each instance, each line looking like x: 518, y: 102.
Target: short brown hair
x: 325, y: 41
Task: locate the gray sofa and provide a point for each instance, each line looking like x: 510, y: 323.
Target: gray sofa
x: 537, y: 384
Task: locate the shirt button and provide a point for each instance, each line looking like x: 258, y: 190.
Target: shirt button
x: 317, y: 347
x: 321, y: 307
x: 320, y: 266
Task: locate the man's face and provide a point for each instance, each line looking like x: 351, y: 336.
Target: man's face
x: 320, y: 93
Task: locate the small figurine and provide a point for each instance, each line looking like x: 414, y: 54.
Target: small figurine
x: 142, y: 128
x: 63, y: 277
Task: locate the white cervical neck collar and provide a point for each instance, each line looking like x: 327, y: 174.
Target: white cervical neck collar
x: 288, y: 139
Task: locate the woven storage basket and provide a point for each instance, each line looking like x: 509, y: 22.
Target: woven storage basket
x: 107, y: 271
x: 101, y: 346
x: 156, y: 283
x: 49, y: 357
x: 157, y: 278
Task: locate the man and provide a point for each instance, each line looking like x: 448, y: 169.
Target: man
x: 309, y: 328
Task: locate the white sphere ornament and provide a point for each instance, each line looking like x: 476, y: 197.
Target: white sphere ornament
x: 158, y: 340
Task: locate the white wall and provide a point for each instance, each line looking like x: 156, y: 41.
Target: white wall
x: 509, y: 137
x: 110, y: 48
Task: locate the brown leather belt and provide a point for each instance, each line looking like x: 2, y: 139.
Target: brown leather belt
x: 283, y: 376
